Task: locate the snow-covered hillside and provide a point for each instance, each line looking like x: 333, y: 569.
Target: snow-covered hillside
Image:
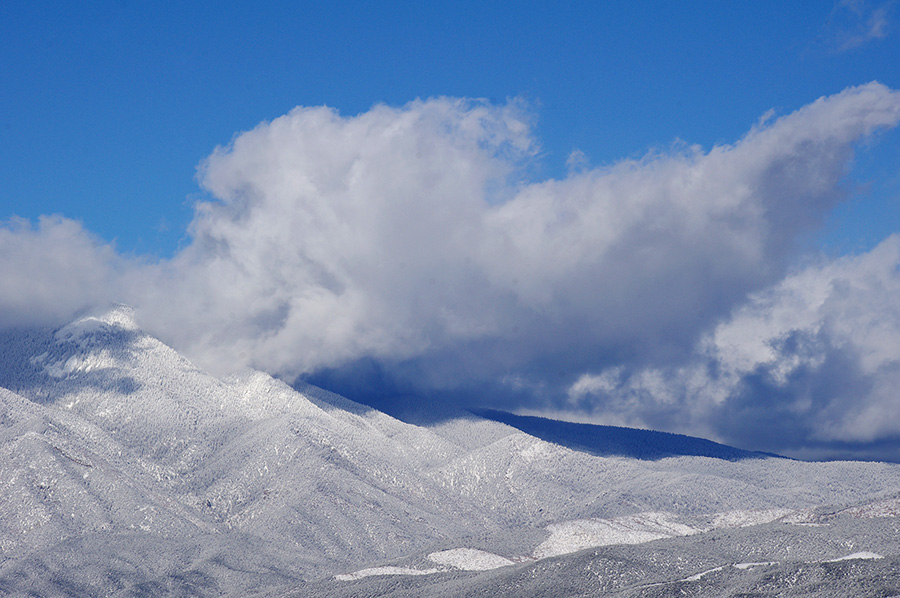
x: 125, y: 470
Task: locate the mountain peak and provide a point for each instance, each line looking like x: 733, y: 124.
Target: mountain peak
x: 119, y: 316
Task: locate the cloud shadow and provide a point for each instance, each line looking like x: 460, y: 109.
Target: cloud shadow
x: 613, y: 441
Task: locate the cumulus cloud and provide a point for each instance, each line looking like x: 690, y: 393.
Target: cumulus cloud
x: 414, y: 240
x: 336, y: 238
x: 813, y: 359
x: 410, y: 236
x: 52, y: 270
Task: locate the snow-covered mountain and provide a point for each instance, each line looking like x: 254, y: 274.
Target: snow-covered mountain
x: 125, y: 470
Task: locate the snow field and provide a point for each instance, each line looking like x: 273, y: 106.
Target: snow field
x: 571, y: 536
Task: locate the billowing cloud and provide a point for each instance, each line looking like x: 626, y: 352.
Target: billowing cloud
x: 337, y: 238
x: 414, y: 239
x: 408, y: 236
x: 811, y: 360
x: 52, y: 270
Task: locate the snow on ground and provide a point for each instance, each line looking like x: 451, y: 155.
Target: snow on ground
x: 864, y: 555
x: 700, y: 575
x: 572, y: 536
x: 746, y: 566
x: 469, y: 559
x: 463, y: 559
x: 383, y: 571
x: 748, y: 518
x: 565, y: 538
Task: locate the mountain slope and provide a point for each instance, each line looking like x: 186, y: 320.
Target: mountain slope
x: 248, y: 454
x: 126, y: 470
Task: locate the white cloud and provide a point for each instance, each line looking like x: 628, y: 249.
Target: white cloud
x: 405, y: 233
x: 815, y: 357
x: 337, y: 238
x: 51, y: 271
x: 412, y: 237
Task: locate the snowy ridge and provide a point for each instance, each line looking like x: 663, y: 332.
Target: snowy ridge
x: 116, y: 449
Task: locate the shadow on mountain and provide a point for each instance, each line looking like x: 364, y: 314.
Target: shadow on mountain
x: 26, y: 353
x: 613, y: 441
x: 374, y: 389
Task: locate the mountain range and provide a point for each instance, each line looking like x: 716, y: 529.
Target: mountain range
x: 126, y: 470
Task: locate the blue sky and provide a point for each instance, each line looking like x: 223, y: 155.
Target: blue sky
x: 678, y: 216
x: 106, y: 108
